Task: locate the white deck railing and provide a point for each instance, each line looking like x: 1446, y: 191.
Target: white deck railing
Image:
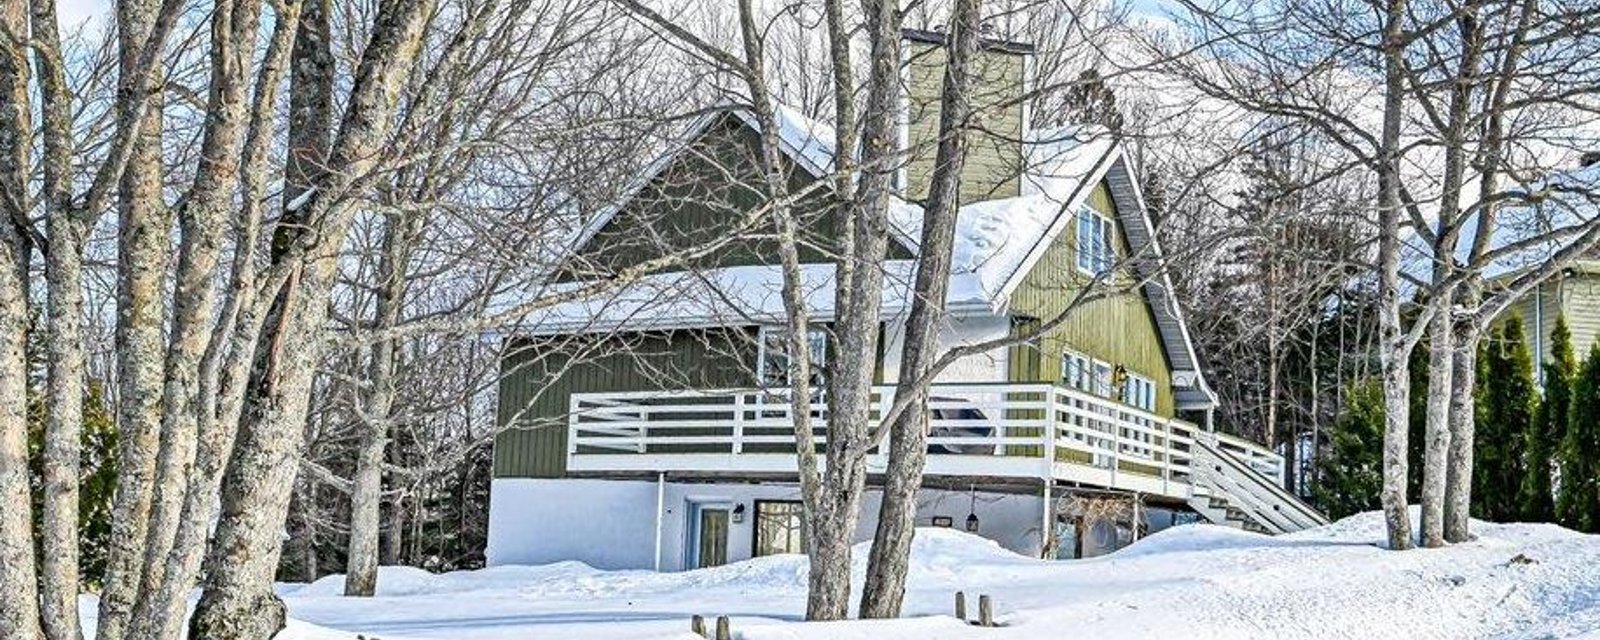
x: 996, y: 430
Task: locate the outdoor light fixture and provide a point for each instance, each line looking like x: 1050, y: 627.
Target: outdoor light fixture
x: 738, y: 513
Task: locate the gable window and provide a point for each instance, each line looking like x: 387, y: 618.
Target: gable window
x: 1095, y: 250
x: 780, y: 528
x: 772, y: 365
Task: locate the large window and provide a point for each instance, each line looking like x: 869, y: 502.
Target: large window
x: 1096, y: 253
x: 1075, y: 371
x: 1140, y: 392
x: 1087, y: 374
x: 773, y: 366
x: 780, y: 528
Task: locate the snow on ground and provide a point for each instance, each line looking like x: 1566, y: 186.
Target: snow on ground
x: 1194, y: 582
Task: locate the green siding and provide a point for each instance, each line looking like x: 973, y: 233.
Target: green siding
x: 1119, y: 329
x: 700, y: 198
x: 1580, y: 304
x: 538, y: 378
x: 994, y: 159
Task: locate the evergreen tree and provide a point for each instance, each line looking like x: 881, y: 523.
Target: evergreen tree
x: 97, y: 477
x: 1579, y: 503
x: 1506, y: 401
x: 1537, y: 494
x: 1352, y: 474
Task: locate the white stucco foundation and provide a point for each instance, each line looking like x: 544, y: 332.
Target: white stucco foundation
x: 611, y: 524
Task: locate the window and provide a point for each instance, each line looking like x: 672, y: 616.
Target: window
x: 780, y: 528
x: 1103, y: 372
x: 1096, y: 253
x: 1075, y: 371
x: 1140, y: 392
x: 1087, y: 374
x: 772, y: 367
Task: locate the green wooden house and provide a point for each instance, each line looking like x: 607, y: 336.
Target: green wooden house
x: 644, y: 425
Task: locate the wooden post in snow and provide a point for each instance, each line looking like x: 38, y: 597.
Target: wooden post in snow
x: 723, y: 631
x: 985, y: 612
x: 961, y: 606
x: 697, y: 625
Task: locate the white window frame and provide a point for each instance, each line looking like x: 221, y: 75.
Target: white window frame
x: 1075, y: 371
x: 1102, y: 379
x: 1139, y: 392
x: 1096, y: 250
x: 765, y: 337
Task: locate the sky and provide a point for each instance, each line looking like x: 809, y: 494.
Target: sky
x: 75, y: 12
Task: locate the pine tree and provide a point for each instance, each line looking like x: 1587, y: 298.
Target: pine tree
x: 1579, y: 503
x: 1352, y: 474
x: 1537, y: 494
x: 1506, y: 398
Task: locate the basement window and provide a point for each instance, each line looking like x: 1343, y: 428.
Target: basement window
x: 1096, y: 253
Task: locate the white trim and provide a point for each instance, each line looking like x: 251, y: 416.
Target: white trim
x: 1080, y: 194
x: 661, y: 510
x: 1105, y: 228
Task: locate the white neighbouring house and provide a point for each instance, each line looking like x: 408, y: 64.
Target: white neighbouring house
x: 644, y: 426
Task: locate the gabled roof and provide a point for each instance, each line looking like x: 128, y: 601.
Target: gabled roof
x: 997, y: 243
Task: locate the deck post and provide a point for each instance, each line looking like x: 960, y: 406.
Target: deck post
x: 1047, y: 526
x: 1050, y: 434
x: 1166, y: 458
x: 738, y: 422
x: 661, y: 507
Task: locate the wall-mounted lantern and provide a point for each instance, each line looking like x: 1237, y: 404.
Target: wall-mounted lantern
x: 738, y: 513
x: 972, y: 511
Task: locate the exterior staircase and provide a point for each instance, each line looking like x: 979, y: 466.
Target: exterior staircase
x: 1227, y: 491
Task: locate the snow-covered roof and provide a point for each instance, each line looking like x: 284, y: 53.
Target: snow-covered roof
x: 997, y: 243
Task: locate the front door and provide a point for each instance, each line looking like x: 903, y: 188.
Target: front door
x: 708, y: 535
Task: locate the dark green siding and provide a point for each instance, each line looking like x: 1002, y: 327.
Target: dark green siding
x: 701, y: 197
x: 539, y: 377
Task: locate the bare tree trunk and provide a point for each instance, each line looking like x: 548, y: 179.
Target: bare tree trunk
x: 366, y: 496
x: 160, y: 612
x: 850, y: 374
x: 143, y: 257
x: 19, y: 596
x: 193, y: 333
x: 67, y: 381
x: 1463, y: 424
x: 238, y: 600
x: 884, y: 590
x: 1394, y: 350
x: 1436, y: 435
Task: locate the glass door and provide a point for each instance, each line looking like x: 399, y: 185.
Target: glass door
x: 708, y: 536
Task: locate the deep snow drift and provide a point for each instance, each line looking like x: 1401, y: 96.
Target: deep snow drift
x: 1197, y: 581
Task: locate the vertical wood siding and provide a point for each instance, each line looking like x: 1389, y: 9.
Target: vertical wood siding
x: 994, y: 160
x: 1119, y: 329
x: 1580, y: 303
x: 538, y: 378
x: 698, y: 199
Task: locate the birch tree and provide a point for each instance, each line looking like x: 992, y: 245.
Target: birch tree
x: 19, y: 603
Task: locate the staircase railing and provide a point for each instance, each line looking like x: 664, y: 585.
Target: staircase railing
x: 1256, y: 494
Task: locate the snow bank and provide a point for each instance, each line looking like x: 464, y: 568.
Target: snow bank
x: 1514, y: 581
